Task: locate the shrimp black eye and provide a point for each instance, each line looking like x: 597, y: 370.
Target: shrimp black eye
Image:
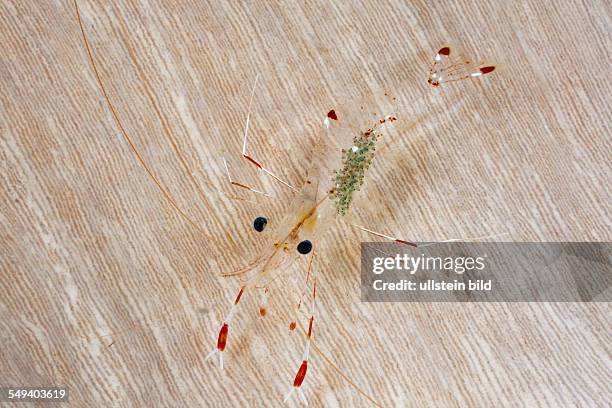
x: 304, y: 247
x: 260, y: 223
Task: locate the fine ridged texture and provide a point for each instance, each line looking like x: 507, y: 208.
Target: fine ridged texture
x: 105, y: 288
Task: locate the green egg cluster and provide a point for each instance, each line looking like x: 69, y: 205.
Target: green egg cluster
x: 355, y: 162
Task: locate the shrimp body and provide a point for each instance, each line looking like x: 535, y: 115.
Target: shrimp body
x: 308, y: 216
x: 342, y: 154
x: 341, y: 157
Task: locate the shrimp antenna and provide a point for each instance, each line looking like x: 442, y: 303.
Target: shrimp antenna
x: 248, y: 118
x: 162, y: 188
x: 163, y: 119
x: 468, y: 239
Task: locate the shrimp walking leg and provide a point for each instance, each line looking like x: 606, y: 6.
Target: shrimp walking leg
x: 293, y: 323
x: 224, y: 331
x: 263, y: 303
x: 303, y: 368
x: 245, y: 153
x: 242, y: 185
x: 447, y: 68
x: 390, y: 238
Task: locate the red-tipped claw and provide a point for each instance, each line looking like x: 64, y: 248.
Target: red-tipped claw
x: 221, y: 344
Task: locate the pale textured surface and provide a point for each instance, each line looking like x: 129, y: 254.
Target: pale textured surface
x: 93, y: 254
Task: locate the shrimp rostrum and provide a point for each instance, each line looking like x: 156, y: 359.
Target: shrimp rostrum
x: 345, y: 147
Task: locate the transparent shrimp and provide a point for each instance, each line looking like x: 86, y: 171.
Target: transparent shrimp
x: 346, y: 146
x: 344, y: 150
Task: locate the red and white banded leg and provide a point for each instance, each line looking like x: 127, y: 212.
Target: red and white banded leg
x: 224, y: 331
x: 303, y: 368
x: 242, y: 185
x: 248, y: 157
x: 293, y: 323
x: 378, y: 234
x: 263, y: 305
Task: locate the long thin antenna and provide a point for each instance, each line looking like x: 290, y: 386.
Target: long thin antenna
x: 164, y: 121
x: 468, y: 239
x: 248, y: 118
x: 144, y: 164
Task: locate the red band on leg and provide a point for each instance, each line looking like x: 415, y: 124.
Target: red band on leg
x: 222, y: 341
x: 301, y: 374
